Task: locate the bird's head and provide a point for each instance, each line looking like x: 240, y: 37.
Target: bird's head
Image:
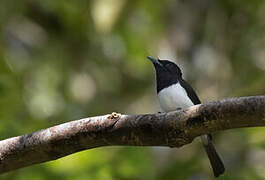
x: 166, y: 68
x: 167, y: 73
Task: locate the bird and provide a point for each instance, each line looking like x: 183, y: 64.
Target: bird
x: 175, y: 93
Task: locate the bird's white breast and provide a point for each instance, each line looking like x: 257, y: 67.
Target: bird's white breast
x: 174, y: 97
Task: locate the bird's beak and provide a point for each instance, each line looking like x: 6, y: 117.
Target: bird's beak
x: 154, y: 60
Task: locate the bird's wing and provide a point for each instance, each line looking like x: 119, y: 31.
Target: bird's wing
x: 191, y: 93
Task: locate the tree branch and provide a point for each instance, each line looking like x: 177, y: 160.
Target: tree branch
x: 173, y: 129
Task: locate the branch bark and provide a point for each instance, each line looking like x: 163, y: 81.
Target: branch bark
x: 173, y: 129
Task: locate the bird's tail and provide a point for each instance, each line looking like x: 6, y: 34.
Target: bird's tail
x: 215, y: 160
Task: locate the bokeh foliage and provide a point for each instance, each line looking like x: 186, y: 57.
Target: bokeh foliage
x: 64, y: 60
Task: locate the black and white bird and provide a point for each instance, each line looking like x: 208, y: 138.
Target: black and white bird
x: 175, y: 93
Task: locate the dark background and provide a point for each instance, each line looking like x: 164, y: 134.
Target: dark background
x: 64, y: 60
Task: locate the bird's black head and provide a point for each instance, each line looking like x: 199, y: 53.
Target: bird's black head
x: 167, y: 73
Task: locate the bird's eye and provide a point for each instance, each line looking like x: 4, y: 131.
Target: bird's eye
x: 167, y: 66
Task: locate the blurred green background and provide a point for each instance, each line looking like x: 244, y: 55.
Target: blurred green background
x: 65, y: 60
